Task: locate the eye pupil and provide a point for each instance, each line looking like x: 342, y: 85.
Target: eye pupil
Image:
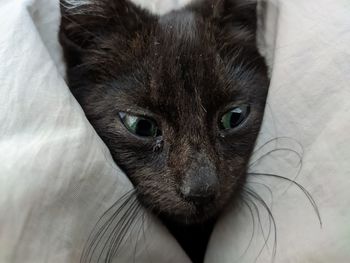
x: 234, y: 117
x: 140, y: 126
x: 144, y: 128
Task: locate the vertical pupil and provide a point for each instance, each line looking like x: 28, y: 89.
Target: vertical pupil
x: 144, y: 128
x: 236, y: 117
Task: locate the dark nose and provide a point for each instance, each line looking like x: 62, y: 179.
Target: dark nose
x: 200, y: 184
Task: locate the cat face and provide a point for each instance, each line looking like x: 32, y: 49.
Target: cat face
x: 178, y: 99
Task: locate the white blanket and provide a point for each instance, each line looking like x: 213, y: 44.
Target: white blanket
x: 57, y: 177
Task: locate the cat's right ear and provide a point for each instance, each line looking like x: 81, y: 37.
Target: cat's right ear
x: 85, y: 22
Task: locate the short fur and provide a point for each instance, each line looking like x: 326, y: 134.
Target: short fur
x: 184, y: 69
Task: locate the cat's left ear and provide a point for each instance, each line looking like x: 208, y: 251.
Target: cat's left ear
x: 85, y: 22
x: 235, y: 21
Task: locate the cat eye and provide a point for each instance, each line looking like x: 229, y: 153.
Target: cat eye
x: 141, y: 126
x: 234, y: 117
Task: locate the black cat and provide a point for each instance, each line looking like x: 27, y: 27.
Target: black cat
x: 178, y: 99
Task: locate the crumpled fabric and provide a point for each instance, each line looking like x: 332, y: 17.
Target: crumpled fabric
x: 57, y: 177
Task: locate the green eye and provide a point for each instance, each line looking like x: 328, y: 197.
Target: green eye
x: 234, y: 117
x: 140, y: 126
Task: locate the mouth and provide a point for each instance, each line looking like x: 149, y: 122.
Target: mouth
x: 193, y: 212
x: 185, y: 210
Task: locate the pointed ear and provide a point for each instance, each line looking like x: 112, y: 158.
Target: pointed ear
x: 85, y: 22
x: 235, y: 20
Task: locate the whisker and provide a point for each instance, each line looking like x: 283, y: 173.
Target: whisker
x: 253, y: 231
x: 300, y: 157
x: 131, y: 222
x: 107, y: 227
x: 272, y: 223
x: 91, y: 239
x: 127, y: 207
x: 138, y: 234
x: 265, y: 187
x: 306, y: 192
x: 119, y: 231
x: 275, y: 140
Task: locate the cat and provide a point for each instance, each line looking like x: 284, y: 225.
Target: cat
x: 178, y: 99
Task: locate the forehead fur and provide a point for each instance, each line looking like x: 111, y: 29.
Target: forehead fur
x: 182, y: 25
x: 180, y: 62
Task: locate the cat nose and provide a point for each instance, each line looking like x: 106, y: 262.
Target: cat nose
x: 200, y: 184
x: 200, y: 190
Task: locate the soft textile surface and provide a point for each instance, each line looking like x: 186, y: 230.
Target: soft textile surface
x: 57, y: 177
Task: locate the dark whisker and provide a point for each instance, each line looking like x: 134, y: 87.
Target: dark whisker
x: 130, y: 222
x: 306, y: 192
x: 265, y: 187
x: 272, y: 223
x: 107, y: 226
x: 300, y: 157
x: 93, y: 237
x: 245, y: 202
x: 282, y: 149
x: 106, y: 237
x: 138, y: 234
x: 119, y: 231
x: 276, y: 139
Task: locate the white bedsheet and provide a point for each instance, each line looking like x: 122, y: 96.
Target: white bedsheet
x: 57, y: 177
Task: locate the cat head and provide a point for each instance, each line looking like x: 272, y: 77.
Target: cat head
x: 178, y: 98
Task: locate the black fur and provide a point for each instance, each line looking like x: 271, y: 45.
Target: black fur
x: 184, y: 69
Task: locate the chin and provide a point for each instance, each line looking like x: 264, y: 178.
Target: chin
x: 192, y: 214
